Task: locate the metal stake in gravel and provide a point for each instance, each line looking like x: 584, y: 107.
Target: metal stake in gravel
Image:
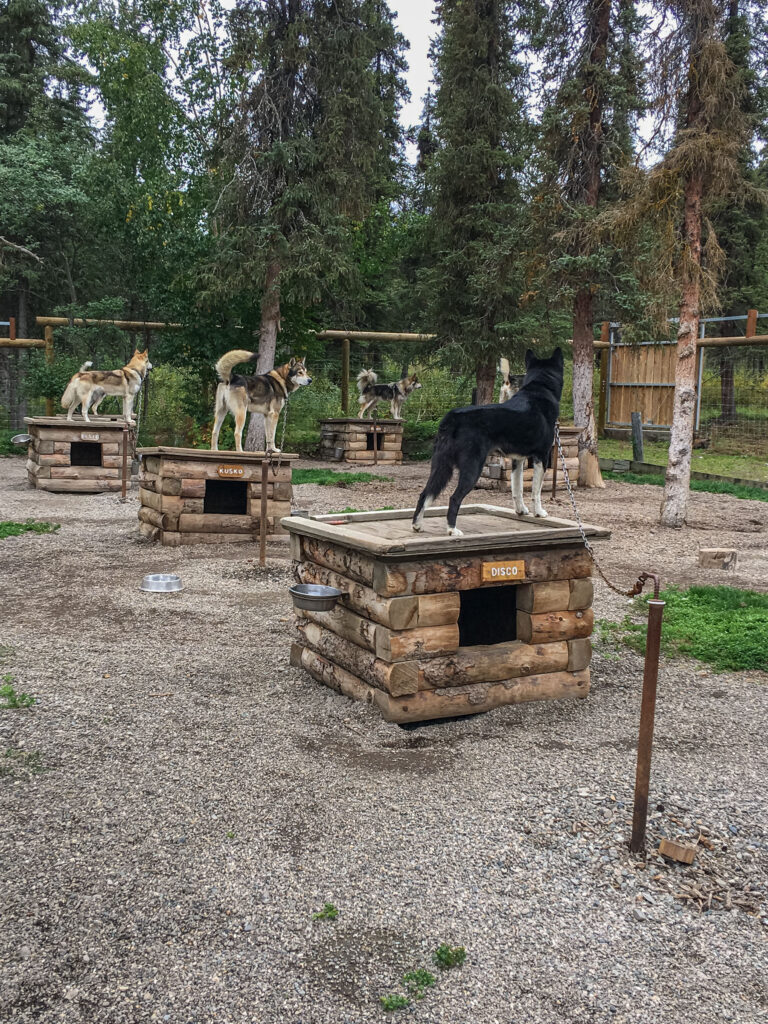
x: 124, y: 474
x: 647, y: 715
x: 650, y: 673
x: 263, y: 513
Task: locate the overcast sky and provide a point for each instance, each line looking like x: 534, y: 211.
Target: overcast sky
x: 414, y: 20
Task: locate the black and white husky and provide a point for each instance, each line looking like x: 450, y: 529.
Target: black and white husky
x: 523, y: 427
x: 371, y: 392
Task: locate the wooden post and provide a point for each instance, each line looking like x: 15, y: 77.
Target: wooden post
x: 751, y: 323
x: 603, y: 397
x: 12, y: 328
x: 345, y: 374
x: 647, y: 715
x: 263, y: 513
x: 637, y: 437
x: 375, y: 449
x: 124, y: 474
x: 49, y: 360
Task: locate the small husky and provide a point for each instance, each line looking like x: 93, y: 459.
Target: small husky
x: 371, y: 393
x: 510, y: 382
x: 88, y: 387
x: 522, y: 427
x: 265, y: 393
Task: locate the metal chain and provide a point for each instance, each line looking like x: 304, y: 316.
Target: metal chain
x: 275, y: 462
x: 642, y: 578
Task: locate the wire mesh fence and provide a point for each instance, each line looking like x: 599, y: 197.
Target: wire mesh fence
x: 733, y: 399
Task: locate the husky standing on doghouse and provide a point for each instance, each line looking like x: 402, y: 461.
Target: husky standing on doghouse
x: 88, y: 387
x: 371, y: 392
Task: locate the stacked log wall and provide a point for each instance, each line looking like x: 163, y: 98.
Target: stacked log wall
x: 49, y: 455
x: 497, y: 471
x: 346, y: 440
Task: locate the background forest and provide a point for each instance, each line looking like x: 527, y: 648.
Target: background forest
x: 241, y: 170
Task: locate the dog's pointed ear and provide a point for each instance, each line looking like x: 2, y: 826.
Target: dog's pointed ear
x: 557, y: 355
x: 293, y: 361
x: 528, y: 357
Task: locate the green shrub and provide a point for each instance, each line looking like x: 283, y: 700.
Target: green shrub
x: 418, y: 438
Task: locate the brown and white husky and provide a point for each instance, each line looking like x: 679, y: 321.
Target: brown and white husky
x: 265, y: 393
x: 90, y: 386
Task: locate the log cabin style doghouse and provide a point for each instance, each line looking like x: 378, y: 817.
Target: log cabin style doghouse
x: 497, y: 471
x: 430, y: 626
x: 75, y: 456
x: 362, y: 441
x: 193, y: 496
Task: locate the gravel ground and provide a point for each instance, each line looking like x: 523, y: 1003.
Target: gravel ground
x: 180, y: 801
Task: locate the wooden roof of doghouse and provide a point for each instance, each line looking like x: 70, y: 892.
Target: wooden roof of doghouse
x: 207, y: 455
x: 363, y: 423
x: 388, y: 535
x: 96, y: 422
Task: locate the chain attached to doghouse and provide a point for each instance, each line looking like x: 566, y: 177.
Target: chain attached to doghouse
x: 642, y: 579
x: 274, y: 462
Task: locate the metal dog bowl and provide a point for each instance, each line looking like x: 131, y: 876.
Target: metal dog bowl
x: 161, y: 583
x: 21, y: 439
x: 314, y: 597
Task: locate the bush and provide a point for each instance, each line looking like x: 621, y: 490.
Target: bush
x: 418, y: 438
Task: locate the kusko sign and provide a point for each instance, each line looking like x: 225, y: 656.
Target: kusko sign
x: 230, y: 470
x: 89, y: 437
x: 497, y: 572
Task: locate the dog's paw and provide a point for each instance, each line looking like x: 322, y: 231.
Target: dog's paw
x: 454, y: 531
x: 417, y: 527
x: 541, y: 513
x: 522, y: 511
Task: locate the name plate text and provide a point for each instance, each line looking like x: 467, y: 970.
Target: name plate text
x: 230, y: 470
x: 511, y: 572
x: 89, y: 437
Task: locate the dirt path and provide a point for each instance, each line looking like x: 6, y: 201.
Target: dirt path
x: 180, y: 801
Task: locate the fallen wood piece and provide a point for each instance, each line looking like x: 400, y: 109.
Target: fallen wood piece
x: 718, y: 558
x: 684, y: 853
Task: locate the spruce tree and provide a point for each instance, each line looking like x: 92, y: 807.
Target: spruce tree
x: 478, y: 207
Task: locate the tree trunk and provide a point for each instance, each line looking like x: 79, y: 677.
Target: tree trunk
x: 598, y: 14
x: 485, y: 378
x: 22, y: 331
x: 583, y: 416
x: 681, y: 440
x: 255, y: 440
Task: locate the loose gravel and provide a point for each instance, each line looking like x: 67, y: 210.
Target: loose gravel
x: 180, y: 801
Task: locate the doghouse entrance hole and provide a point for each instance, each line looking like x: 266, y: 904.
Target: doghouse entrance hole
x: 369, y: 442
x: 226, y: 497
x: 85, y: 453
x: 488, y: 615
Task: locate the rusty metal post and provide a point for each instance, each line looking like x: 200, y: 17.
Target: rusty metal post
x: 554, y: 470
x: 124, y: 476
x: 647, y: 714
x: 263, y: 513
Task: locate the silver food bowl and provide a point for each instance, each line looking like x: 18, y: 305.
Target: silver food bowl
x: 161, y: 583
x: 314, y: 597
x: 21, y: 439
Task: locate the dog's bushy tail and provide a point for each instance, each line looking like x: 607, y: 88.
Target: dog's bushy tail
x: 70, y: 392
x: 443, y: 464
x: 229, y: 361
x: 366, y: 379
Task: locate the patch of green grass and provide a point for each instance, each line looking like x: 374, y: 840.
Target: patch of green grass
x: 328, y: 913
x: 332, y: 478
x: 722, y: 626
x: 15, y: 757
x: 9, y: 528
x: 394, y: 1001
x: 11, y: 699
x: 709, y: 486
x: 417, y: 981
x: 753, y: 467
x: 446, y: 956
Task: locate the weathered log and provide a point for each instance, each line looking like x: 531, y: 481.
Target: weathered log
x: 331, y: 675
x: 346, y: 624
x: 204, y: 470
x: 78, y: 486
x: 53, y: 460
x: 172, y: 539
x: 421, y: 642
x: 112, y: 461
x: 579, y: 654
x: 348, y: 563
x: 149, y: 531
x: 83, y: 473
x: 541, y: 566
x: 547, y: 627
x: 213, y: 523
x: 582, y: 594
x: 543, y: 597
x: 279, y: 490
x: 494, y: 663
x: 149, y: 481
x: 395, y: 677
x: 150, y: 498
x: 395, y: 612
x: 70, y: 434
x: 185, y: 488
x: 151, y: 516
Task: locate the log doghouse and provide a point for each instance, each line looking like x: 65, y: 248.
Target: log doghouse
x: 191, y: 496
x: 362, y: 441
x: 497, y: 471
x: 430, y: 626
x: 75, y: 456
